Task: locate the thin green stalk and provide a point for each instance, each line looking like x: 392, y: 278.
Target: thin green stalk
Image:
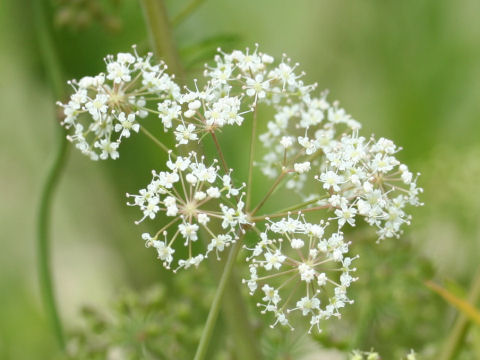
x: 155, y: 140
x: 235, y: 314
x: 43, y: 235
x: 252, y: 157
x: 187, y: 11
x: 54, y: 74
x: 159, y: 28
x: 302, y: 205
x: 219, y: 151
x: 271, y: 216
x: 272, y: 188
x: 161, y: 36
x: 217, y: 302
x: 462, y: 324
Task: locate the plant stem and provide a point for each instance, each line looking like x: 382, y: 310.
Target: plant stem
x: 252, y: 154
x: 462, y: 324
x: 215, y: 307
x: 235, y: 314
x: 271, y: 216
x: 163, y: 43
x: 220, y: 153
x: 301, y: 205
x: 155, y: 140
x: 161, y: 36
x: 43, y: 235
x: 187, y: 11
x: 270, y: 191
x: 55, y: 78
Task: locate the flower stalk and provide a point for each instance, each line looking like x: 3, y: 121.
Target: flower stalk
x: 217, y: 302
x: 56, y: 82
x: 252, y: 157
x: 161, y: 35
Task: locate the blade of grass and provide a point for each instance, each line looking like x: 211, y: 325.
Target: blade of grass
x: 463, y: 306
x: 462, y: 324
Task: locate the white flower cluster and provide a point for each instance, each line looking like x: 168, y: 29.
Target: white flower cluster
x: 359, y: 178
x: 309, y: 143
x: 104, y: 109
x: 365, y: 179
x: 297, y: 255
x: 300, y: 133
x: 197, y: 196
x: 234, y: 86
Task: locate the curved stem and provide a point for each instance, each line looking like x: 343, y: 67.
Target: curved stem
x: 43, y: 236
x: 216, y: 304
x: 54, y: 75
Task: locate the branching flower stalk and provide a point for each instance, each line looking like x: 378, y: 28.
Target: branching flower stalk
x: 330, y: 176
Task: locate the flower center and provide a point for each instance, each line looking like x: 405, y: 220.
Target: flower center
x: 190, y: 209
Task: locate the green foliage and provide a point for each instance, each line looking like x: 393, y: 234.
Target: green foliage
x: 158, y: 323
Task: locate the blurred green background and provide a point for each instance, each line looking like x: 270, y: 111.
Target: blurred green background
x: 407, y: 69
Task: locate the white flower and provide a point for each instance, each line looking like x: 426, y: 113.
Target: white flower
x: 126, y: 124
x: 257, y: 86
x: 185, y: 133
x: 309, y: 145
x: 346, y: 215
x: 293, y: 250
x: 307, y: 305
x: 189, y: 231
x: 302, y: 167
x: 178, y: 194
x: 307, y: 273
x: 219, y: 243
x: 274, y: 260
x: 164, y: 252
x: 109, y: 149
x: 331, y: 180
x: 297, y: 243
x: 286, y: 141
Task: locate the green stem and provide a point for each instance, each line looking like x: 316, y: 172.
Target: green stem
x: 302, y: 205
x: 54, y: 74
x: 219, y: 151
x: 155, y: 140
x: 161, y: 36
x: 272, y: 216
x: 252, y: 157
x: 217, y: 302
x: 270, y: 191
x: 187, y: 11
x: 235, y: 314
x: 43, y: 235
x: 462, y: 324
x: 162, y: 41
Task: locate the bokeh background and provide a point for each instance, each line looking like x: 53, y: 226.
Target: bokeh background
x: 408, y: 70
